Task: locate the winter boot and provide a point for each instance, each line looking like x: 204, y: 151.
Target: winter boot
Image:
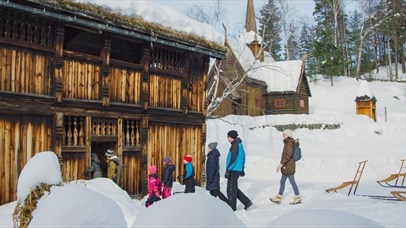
x: 248, y: 205
x: 277, y: 199
x: 296, y: 200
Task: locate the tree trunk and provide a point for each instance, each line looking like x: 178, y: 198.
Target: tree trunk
x: 375, y: 53
x: 396, y: 56
x: 389, y: 61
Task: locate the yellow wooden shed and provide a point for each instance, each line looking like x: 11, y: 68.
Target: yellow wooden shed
x: 365, y: 102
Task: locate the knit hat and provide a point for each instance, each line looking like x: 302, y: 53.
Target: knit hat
x: 152, y: 169
x: 232, y: 134
x: 188, y: 158
x: 212, y: 145
x: 288, y: 133
x: 167, y: 160
x: 109, y: 153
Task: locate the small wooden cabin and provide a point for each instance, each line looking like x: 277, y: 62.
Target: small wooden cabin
x: 365, y: 102
x: 77, y: 79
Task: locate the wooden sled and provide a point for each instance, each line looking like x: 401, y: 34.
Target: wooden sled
x: 355, y: 181
x: 397, y: 176
x: 399, y: 195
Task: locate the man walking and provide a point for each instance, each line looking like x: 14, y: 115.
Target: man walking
x: 234, y: 169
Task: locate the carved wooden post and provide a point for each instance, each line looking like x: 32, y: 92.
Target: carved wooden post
x: 105, y: 71
x: 205, y: 102
x: 185, y: 84
x: 145, y: 79
x: 144, y: 155
x: 58, y: 62
x: 58, y: 135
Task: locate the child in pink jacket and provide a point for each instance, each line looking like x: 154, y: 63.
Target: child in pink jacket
x: 154, y: 187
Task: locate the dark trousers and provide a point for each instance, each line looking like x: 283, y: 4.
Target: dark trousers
x: 220, y: 195
x: 151, y: 200
x: 233, y: 193
x: 189, y: 185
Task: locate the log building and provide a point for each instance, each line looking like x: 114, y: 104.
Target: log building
x: 270, y: 87
x: 78, y: 79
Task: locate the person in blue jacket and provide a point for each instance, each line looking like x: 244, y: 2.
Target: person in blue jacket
x: 189, y: 176
x: 213, y: 173
x: 234, y: 169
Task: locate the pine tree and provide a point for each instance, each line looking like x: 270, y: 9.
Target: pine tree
x: 293, y: 44
x: 306, y: 46
x: 329, y: 56
x: 269, y: 29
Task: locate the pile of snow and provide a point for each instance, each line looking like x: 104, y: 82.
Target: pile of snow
x: 77, y: 206
x: 189, y: 210
x: 94, y: 203
x: 42, y: 168
x: 322, y: 218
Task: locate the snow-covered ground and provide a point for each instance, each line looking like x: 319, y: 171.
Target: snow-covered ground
x: 329, y: 158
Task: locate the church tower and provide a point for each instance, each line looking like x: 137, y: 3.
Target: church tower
x: 251, y: 26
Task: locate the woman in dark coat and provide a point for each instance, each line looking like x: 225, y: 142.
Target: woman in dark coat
x: 287, y: 167
x: 212, y: 172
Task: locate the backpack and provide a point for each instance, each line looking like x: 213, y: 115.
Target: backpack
x: 297, y: 153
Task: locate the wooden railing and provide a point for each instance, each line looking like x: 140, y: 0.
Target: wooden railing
x: 104, y: 127
x: 165, y: 59
x: 19, y: 29
x: 131, y: 133
x: 74, y: 133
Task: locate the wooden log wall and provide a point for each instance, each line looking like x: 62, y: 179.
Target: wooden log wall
x: 175, y: 141
x: 303, y: 95
x: 270, y: 104
x: 73, y: 166
x: 125, y: 85
x: 21, y: 137
x: 24, y: 71
x: 196, y: 88
x: 165, y: 92
x: 252, y: 99
x: 81, y: 80
x: 131, y: 180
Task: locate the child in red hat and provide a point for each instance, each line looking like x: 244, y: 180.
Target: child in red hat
x: 189, y: 176
x: 154, y: 187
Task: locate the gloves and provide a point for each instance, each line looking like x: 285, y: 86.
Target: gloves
x: 278, y: 168
x: 242, y: 172
x: 157, y: 194
x: 227, y: 174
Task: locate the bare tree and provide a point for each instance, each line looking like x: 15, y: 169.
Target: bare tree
x: 212, y: 15
x: 369, y: 23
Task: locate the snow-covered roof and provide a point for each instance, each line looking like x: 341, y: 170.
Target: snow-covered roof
x: 280, y: 76
x: 250, y: 36
x: 166, y: 16
x: 365, y: 92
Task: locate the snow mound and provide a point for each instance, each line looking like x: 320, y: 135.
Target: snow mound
x: 322, y: 218
x: 111, y: 190
x: 201, y: 210
x: 76, y: 206
x: 42, y: 168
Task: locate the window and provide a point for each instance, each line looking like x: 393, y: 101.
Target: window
x: 256, y: 102
x: 81, y: 41
x: 302, y: 103
x: 125, y: 50
x: 279, y: 103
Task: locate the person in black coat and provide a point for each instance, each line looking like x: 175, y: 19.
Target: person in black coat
x: 167, y: 180
x: 212, y: 172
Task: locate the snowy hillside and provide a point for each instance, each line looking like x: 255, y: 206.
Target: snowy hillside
x: 331, y: 156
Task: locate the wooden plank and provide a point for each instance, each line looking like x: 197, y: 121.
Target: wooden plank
x: 2, y: 158
x: 7, y: 159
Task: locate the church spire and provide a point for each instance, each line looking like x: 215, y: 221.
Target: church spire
x: 250, y: 23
